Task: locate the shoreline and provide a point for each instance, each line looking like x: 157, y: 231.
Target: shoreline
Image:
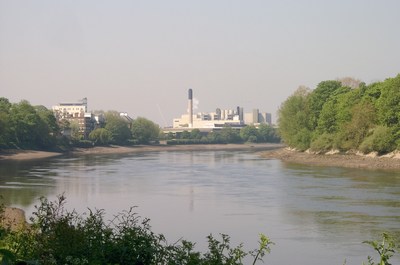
x: 333, y: 160
x: 13, y: 218
x: 21, y: 155
x: 26, y: 155
x: 266, y: 151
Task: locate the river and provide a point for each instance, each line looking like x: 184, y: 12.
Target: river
x: 314, y: 215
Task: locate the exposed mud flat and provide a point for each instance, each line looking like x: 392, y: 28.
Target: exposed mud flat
x: 336, y: 159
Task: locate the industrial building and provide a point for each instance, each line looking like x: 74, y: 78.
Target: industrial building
x: 220, y: 118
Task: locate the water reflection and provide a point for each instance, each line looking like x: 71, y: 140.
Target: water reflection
x: 21, y: 183
x: 343, y: 202
x: 305, y: 210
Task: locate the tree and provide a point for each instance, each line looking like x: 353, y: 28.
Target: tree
x: 389, y: 102
x: 185, y: 135
x: 353, y: 132
x: 293, y: 119
x: 328, y: 121
x: 230, y: 135
x: 195, y: 134
x: 318, y: 97
x: 215, y: 137
x: 75, y: 133
x: 249, y: 134
x: 118, y: 128
x: 26, y: 125
x: 267, y: 134
x: 144, y: 131
x: 100, y: 136
x: 48, y: 128
x: 5, y: 122
x: 381, y: 141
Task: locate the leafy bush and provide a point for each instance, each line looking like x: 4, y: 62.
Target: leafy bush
x: 324, y: 142
x: 100, y: 136
x: 302, y: 139
x: 381, y: 141
x: 83, y: 143
x: 58, y: 236
x: 385, y: 248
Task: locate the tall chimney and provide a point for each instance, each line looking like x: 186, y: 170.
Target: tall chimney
x: 190, y: 107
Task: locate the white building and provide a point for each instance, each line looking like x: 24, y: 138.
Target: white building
x: 218, y: 119
x: 222, y: 118
x: 209, y: 120
x: 76, y: 112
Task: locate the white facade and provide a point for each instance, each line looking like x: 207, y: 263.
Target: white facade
x: 206, y: 120
x: 221, y: 118
x: 76, y: 112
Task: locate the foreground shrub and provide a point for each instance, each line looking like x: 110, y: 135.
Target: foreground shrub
x: 58, y: 236
x: 386, y: 247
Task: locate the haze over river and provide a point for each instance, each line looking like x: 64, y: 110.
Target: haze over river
x: 315, y: 215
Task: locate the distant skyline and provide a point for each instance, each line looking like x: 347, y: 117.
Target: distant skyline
x: 141, y: 57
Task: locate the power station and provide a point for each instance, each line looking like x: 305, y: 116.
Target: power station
x: 220, y: 118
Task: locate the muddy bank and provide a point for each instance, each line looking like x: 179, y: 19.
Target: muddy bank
x: 334, y: 160
x: 18, y: 155
x: 158, y: 148
x: 13, y: 218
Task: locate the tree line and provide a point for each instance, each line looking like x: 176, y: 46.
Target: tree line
x: 25, y: 126
x: 344, y: 115
x: 264, y: 133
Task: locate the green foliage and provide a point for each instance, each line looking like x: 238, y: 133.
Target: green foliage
x: 230, y: 135
x: 268, y: 134
x: 5, y: 123
x: 184, y: 135
x: 294, y: 120
x: 323, y: 142
x: 118, y: 128
x: 318, y: 97
x: 265, y: 247
x: 358, y: 117
x: 58, y: 236
x: 381, y: 141
x: 25, y: 126
x: 249, y: 134
x: 389, y: 102
x: 356, y: 130
x: 215, y: 137
x: 100, y: 136
x: 190, y: 141
x: 195, y: 134
x: 144, y: 131
x: 75, y: 133
x: 385, y: 248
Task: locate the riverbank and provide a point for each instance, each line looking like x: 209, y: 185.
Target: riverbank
x: 268, y: 151
x: 333, y: 160
x: 19, y: 155
x: 12, y: 218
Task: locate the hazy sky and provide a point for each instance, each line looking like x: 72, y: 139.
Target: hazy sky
x: 141, y: 57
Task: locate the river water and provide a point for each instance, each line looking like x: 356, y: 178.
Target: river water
x: 314, y: 215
